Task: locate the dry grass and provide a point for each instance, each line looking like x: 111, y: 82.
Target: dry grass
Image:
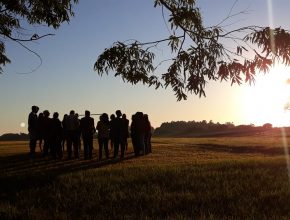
x: 184, y: 178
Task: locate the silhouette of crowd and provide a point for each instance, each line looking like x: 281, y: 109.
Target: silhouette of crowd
x: 54, y: 136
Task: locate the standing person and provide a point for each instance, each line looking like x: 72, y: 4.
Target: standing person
x: 72, y: 125
x: 56, y: 136
x: 40, y: 130
x: 79, y: 133
x: 133, y: 132
x: 64, y: 128
x: 87, y: 128
x: 118, y: 134
x: 147, y: 136
x: 103, y: 127
x: 140, y: 132
x: 46, y: 127
x: 32, y: 129
x: 112, y: 118
x: 126, y: 130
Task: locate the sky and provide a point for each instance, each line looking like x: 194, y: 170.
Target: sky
x: 66, y: 81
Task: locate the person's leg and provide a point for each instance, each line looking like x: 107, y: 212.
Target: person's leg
x: 53, y: 149
x: 86, y: 150
x: 106, y: 143
x: 116, y: 147
x: 45, y: 147
x: 101, y: 143
x: 59, y: 149
x: 90, y: 146
x: 76, y: 144
x: 69, y: 146
x: 134, y: 144
x: 126, y: 143
x: 140, y: 144
x: 32, y: 146
x: 123, y: 146
x: 40, y: 144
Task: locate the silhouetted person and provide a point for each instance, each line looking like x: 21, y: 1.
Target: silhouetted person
x: 87, y: 128
x: 46, y: 127
x: 118, y: 134
x: 72, y: 125
x: 32, y: 129
x: 64, y: 128
x: 79, y: 133
x: 147, y: 135
x: 103, y: 127
x: 133, y: 132
x: 40, y: 130
x: 126, y: 130
x: 140, y: 132
x: 56, y: 137
x: 112, y: 118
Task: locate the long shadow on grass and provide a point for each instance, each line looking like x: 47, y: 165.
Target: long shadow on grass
x: 19, y: 173
x: 272, y: 151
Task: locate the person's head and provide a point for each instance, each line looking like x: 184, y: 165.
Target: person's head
x: 118, y: 113
x: 146, y: 117
x: 139, y: 115
x: 34, y: 109
x: 46, y: 113
x: 134, y: 116
x: 72, y: 112
x: 87, y: 113
x: 55, y: 115
x: 112, y: 117
x: 124, y: 116
x: 40, y: 115
x: 105, y: 117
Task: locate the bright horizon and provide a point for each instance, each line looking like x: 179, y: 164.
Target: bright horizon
x: 66, y: 81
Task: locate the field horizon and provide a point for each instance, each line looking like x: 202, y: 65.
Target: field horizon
x: 184, y: 178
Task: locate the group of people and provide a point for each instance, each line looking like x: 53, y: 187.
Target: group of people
x: 56, y: 134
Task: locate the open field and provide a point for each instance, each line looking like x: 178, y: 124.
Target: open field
x: 184, y: 178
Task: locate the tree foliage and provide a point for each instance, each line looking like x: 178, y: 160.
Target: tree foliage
x: 200, y: 53
x: 207, y: 128
x: 15, y: 14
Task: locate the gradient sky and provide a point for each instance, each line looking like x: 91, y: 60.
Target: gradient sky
x: 66, y: 79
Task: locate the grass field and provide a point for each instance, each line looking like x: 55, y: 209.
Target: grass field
x: 184, y: 178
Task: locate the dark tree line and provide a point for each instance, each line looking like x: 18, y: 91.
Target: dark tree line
x: 205, y: 128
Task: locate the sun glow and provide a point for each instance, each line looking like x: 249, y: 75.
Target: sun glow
x: 268, y: 100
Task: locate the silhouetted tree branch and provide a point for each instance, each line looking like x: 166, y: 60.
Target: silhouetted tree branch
x: 14, y: 14
x: 205, y: 57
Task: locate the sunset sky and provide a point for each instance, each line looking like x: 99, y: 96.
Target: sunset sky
x: 66, y: 79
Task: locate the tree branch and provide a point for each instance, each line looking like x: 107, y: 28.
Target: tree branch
x: 34, y: 37
x: 36, y: 54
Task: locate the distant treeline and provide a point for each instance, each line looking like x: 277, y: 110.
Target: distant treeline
x: 14, y: 137
x: 204, y: 128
